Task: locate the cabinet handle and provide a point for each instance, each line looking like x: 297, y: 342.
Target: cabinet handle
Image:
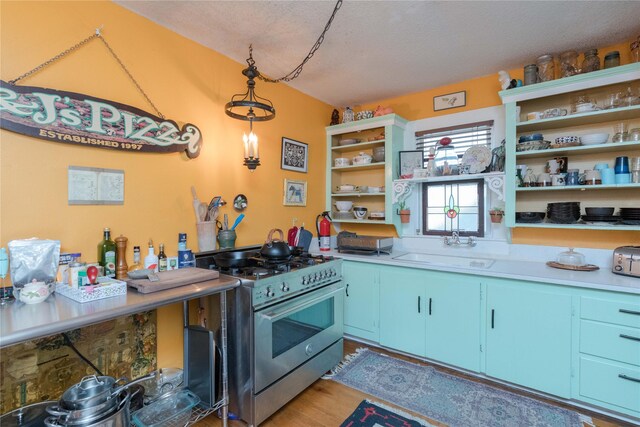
x: 418, y: 304
x: 622, y: 310
x: 629, y: 337
x: 429, y: 306
x: 493, y: 313
x: 627, y: 377
x: 346, y: 289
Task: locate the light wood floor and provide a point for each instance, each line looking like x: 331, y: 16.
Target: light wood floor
x: 328, y: 403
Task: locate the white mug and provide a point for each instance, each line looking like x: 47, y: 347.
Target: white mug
x: 558, y: 179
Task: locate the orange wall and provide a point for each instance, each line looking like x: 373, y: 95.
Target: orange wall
x: 482, y: 92
x: 187, y: 82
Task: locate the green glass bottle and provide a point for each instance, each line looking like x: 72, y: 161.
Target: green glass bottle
x: 107, y: 254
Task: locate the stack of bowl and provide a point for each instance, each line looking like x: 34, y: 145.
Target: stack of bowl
x: 563, y: 212
x: 598, y: 214
x: 630, y: 216
x: 532, y: 142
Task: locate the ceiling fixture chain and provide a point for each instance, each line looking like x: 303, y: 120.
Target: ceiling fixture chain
x: 97, y: 34
x: 296, y: 71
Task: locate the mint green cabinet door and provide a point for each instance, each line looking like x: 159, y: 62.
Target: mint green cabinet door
x: 529, y: 336
x: 453, y: 313
x: 361, y: 302
x: 402, y: 309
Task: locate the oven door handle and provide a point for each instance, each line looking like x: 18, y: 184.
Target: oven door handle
x: 275, y: 315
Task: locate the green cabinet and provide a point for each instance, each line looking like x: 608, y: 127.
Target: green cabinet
x: 528, y: 338
x: 402, y: 315
x: 361, y: 303
x: 431, y: 314
x: 453, y: 319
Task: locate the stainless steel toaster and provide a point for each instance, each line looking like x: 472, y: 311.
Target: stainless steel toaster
x: 626, y: 260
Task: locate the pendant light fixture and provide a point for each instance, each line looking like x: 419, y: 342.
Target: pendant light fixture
x: 250, y: 107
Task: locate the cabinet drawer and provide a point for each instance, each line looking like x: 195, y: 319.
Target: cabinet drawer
x: 618, y: 312
x: 601, y: 380
x: 611, y: 341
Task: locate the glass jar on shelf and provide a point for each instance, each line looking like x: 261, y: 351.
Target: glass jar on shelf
x: 591, y: 61
x: 612, y: 59
x: 546, y: 71
x: 635, y: 51
x: 530, y: 74
x: 569, y: 63
x: 446, y: 161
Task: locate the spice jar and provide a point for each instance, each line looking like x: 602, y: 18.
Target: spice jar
x: 545, y: 68
x: 530, y: 74
x: 612, y: 59
x: 591, y: 61
x: 569, y: 63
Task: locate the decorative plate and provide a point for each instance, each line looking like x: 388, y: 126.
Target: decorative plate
x: 476, y: 158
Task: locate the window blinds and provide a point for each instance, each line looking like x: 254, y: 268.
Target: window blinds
x: 462, y: 137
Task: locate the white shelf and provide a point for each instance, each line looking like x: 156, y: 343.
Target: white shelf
x: 450, y: 177
x: 362, y: 221
x: 358, y: 146
x: 357, y: 194
x: 377, y: 165
x: 592, y: 117
x: 578, y: 188
x: 494, y: 180
x: 582, y: 149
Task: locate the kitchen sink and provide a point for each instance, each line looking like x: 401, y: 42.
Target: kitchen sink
x: 446, y: 260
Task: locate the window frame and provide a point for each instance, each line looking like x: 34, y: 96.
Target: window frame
x: 480, y: 184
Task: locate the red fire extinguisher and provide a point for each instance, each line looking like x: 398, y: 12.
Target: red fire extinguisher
x: 323, y: 227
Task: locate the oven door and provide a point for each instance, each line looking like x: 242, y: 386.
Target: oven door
x: 292, y: 332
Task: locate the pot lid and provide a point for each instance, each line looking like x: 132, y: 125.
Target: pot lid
x: 27, y: 416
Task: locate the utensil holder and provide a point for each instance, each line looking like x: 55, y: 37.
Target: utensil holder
x: 227, y: 239
x: 206, y: 236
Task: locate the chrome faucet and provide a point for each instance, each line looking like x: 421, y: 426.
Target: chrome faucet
x: 454, y: 240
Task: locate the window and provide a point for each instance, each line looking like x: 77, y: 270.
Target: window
x: 453, y: 206
x: 462, y: 137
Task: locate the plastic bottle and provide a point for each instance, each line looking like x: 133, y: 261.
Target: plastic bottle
x: 162, y: 259
x: 151, y: 260
x: 107, y: 254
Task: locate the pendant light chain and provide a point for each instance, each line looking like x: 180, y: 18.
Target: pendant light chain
x: 97, y: 34
x: 296, y: 71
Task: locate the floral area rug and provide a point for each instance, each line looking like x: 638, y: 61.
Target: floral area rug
x: 446, y: 398
x: 369, y: 414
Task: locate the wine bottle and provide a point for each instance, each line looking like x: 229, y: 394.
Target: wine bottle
x: 107, y: 254
x: 162, y: 259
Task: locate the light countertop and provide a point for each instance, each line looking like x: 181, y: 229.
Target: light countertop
x: 533, y: 271
x: 20, y: 322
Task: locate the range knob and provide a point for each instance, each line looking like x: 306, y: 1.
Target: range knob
x: 270, y: 293
x: 284, y: 287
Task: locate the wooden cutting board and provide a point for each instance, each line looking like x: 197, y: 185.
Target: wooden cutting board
x: 173, y: 279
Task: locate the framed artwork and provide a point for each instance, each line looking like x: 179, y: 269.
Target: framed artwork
x: 295, y: 155
x: 410, y: 160
x: 295, y: 193
x: 450, y: 100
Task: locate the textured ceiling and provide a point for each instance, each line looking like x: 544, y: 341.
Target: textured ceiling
x: 379, y: 49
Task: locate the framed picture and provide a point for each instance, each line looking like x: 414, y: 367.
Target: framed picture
x: 295, y: 193
x: 295, y: 155
x: 450, y: 100
x: 410, y: 160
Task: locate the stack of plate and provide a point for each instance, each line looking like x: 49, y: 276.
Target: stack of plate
x: 600, y: 214
x: 563, y: 212
x: 630, y: 216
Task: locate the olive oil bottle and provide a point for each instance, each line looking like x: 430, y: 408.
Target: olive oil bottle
x: 107, y: 254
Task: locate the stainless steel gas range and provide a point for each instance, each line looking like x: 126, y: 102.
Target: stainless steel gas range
x: 285, y: 329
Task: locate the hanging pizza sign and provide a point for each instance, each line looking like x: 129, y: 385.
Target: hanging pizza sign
x: 74, y: 118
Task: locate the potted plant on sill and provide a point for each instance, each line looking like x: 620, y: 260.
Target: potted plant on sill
x: 496, y: 215
x: 404, y: 212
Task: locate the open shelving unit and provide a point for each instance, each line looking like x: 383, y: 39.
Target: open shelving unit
x: 384, y: 131
x: 562, y: 93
